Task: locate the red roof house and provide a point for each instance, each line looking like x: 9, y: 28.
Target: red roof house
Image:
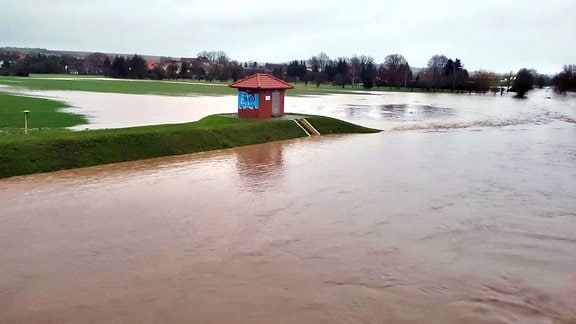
x: 261, y: 96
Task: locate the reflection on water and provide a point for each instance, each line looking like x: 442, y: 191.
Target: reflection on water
x: 260, y: 167
x: 457, y: 226
x: 429, y: 111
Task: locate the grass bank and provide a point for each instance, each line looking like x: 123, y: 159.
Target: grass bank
x: 37, y: 153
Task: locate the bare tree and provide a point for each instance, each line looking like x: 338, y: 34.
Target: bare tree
x: 214, y: 56
x: 323, y: 60
x: 343, y: 73
x: 94, y: 63
x: 314, y: 64
x: 435, y: 69
x: 318, y: 65
x: 354, y: 68
x: 222, y: 58
x: 394, y: 61
x: 566, y: 80
x: 368, y: 71
x: 219, y: 65
x: 394, y: 70
x: 484, y: 80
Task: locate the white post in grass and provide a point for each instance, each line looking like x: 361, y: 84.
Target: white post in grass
x: 26, y: 112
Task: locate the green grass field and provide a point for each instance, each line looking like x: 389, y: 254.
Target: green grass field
x: 171, y: 88
x: 45, y: 115
x: 165, y: 87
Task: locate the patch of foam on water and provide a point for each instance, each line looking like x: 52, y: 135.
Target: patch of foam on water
x: 567, y: 119
x: 536, y: 119
x: 415, y: 112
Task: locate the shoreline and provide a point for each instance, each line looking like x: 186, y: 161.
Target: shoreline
x: 38, y: 153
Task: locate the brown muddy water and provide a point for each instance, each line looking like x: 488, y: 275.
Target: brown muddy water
x: 463, y: 211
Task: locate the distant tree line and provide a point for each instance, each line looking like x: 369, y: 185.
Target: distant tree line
x: 566, y: 80
x: 43, y: 63
x: 441, y: 73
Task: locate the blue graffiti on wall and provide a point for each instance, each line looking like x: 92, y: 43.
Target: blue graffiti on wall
x: 247, y: 100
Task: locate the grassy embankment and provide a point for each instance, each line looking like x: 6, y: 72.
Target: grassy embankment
x: 66, y: 150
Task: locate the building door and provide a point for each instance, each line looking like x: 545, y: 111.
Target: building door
x: 276, y: 104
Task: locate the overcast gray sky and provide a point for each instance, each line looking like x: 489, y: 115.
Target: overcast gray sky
x: 495, y: 35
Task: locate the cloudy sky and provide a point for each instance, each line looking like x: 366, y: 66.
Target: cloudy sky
x: 495, y: 35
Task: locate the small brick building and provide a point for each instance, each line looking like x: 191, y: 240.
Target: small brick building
x: 261, y: 96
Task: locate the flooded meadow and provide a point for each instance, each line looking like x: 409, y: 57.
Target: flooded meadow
x: 462, y: 210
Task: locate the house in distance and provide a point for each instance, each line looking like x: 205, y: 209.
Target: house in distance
x: 261, y: 96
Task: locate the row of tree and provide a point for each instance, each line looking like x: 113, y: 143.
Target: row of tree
x: 441, y: 72
x: 42, y: 63
x: 566, y: 80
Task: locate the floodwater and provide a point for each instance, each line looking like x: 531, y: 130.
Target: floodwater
x: 115, y: 110
x: 462, y: 211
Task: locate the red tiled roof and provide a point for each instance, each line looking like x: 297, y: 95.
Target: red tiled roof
x: 261, y: 81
